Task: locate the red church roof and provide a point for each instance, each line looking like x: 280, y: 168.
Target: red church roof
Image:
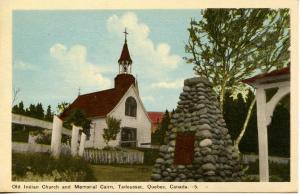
x: 275, y: 73
x: 99, y: 104
x: 155, y: 117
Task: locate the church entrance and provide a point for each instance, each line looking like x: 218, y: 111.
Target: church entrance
x: 128, y: 137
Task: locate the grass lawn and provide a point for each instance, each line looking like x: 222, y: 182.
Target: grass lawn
x: 110, y: 173
x: 142, y: 173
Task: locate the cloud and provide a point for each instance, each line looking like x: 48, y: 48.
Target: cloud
x: 147, y: 56
x: 148, y: 98
x: 168, y: 84
x: 75, y: 69
x: 21, y: 65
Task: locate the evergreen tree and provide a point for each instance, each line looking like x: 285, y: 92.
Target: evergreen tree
x: 235, y: 110
x: 279, y: 130
x: 159, y: 135
x: 40, y: 111
x: 19, y: 109
x: 49, y: 114
x: 31, y: 111
x: 15, y: 109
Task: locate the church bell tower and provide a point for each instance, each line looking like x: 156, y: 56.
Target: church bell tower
x: 125, y: 61
x: 125, y: 78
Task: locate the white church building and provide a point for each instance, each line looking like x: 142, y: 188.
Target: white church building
x: 122, y: 102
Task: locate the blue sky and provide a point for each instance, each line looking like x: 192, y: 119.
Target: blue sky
x: 56, y: 52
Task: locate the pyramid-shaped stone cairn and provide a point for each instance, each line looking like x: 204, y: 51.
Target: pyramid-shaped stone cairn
x: 198, y: 145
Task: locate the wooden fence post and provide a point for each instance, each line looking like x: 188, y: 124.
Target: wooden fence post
x: 56, y: 136
x: 82, y: 143
x: 74, y: 140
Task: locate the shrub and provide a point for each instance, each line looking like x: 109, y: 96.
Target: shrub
x: 42, y: 164
x: 20, y: 133
x: 44, y: 139
x: 112, y: 130
x: 150, y: 155
x: 109, y: 148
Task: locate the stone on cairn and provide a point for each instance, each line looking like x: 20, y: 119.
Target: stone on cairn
x: 199, y: 147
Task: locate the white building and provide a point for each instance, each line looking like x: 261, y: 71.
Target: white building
x: 122, y: 102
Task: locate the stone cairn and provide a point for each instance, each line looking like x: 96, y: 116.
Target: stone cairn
x: 214, y: 158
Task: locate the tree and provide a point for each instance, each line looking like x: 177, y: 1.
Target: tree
x: 39, y: 111
x: 235, y: 111
x: 112, y: 130
x: 78, y: 118
x: 159, y: 135
x: 229, y: 45
x: 49, y: 114
x: 19, y: 109
x: 31, y: 110
x: 62, y: 107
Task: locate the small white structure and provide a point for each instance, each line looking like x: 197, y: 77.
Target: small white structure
x: 279, y: 79
x: 122, y: 102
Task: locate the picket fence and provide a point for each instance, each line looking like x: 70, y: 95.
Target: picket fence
x: 97, y: 156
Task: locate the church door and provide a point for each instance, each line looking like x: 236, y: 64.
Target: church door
x: 128, y: 137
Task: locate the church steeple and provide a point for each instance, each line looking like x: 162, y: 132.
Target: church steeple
x: 125, y: 60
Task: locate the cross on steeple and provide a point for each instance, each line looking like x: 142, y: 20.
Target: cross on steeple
x: 126, y: 33
x: 125, y: 60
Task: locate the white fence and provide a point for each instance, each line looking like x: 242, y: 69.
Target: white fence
x: 275, y: 159
x: 55, y: 128
x: 24, y: 120
x: 113, y: 157
x: 20, y: 147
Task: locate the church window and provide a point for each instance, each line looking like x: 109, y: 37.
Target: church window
x: 130, y: 107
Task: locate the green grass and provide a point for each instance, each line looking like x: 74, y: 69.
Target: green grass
x: 277, y: 172
x: 130, y: 173
x: 140, y: 173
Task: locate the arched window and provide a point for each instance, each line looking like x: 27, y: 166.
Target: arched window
x: 130, y: 107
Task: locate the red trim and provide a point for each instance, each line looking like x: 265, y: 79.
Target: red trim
x: 284, y: 71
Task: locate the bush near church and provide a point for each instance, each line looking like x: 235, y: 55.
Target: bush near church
x: 42, y: 167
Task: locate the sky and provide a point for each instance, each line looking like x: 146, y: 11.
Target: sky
x: 57, y: 52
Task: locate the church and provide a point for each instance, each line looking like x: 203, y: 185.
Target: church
x: 122, y: 102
